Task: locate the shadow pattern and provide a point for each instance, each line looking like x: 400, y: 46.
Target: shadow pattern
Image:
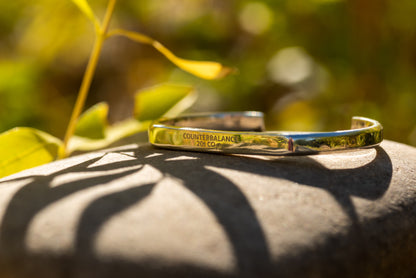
x: 227, y: 202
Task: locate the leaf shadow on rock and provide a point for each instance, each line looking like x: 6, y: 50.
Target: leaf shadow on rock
x: 37, y: 194
x: 223, y: 197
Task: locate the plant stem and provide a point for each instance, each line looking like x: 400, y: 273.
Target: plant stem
x: 88, y: 76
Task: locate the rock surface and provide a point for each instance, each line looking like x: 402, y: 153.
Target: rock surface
x: 137, y: 211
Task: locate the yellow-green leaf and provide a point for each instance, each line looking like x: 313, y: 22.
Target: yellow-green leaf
x: 85, y: 8
x: 93, y: 122
x: 202, y: 69
x: 23, y: 148
x: 163, y: 100
x: 112, y: 134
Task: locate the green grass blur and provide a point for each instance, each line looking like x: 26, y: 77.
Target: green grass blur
x: 309, y: 65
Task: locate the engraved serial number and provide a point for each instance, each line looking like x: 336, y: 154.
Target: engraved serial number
x: 205, y: 144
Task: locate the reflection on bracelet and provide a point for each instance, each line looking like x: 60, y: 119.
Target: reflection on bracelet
x: 243, y: 133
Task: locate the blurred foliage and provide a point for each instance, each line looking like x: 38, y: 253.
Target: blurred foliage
x: 23, y: 148
x: 308, y: 65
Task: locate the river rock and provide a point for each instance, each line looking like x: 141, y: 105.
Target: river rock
x: 139, y: 211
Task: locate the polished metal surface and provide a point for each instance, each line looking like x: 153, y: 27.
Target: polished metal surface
x: 243, y: 133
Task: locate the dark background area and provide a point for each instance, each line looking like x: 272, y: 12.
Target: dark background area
x: 309, y: 65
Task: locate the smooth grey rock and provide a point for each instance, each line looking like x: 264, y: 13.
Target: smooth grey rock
x: 137, y: 211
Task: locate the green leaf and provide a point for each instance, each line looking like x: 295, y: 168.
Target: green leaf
x: 93, y: 132
x: 86, y: 10
x: 163, y: 100
x: 112, y: 134
x: 203, y: 69
x: 93, y: 122
x: 23, y: 148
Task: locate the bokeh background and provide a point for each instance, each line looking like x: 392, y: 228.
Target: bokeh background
x: 308, y: 64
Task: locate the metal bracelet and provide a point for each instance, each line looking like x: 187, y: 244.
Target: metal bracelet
x: 243, y: 133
